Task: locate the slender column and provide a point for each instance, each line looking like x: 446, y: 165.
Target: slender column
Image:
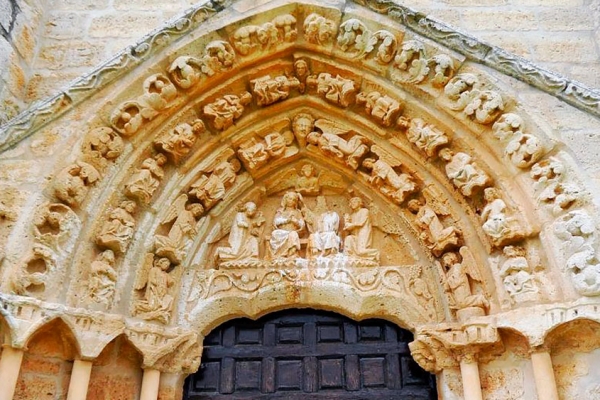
x: 469, y: 370
x: 80, y: 380
x: 543, y: 374
x: 10, y: 364
x: 150, y: 384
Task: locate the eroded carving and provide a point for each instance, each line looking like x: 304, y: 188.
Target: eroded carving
x: 323, y: 225
x: 554, y: 189
x: 54, y: 225
x: 249, y: 39
x: 269, y: 90
x: 425, y: 137
x: 103, y: 279
x: 255, y: 154
x: 101, y: 146
x: 337, y: 90
x: 210, y: 189
x: 328, y: 138
x: 319, y: 30
x: 117, y: 232
x: 467, y: 95
x: 516, y: 275
x: 73, y: 183
x: 500, y: 223
x: 142, y: 185
x: 186, y: 71
x: 179, y: 141
x: 225, y: 110
x: 155, y: 283
x: 358, y: 242
x: 464, y: 172
x: 33, y: 277
x: 382, y: 108
x: 288, y: 224
x: 395, y: 185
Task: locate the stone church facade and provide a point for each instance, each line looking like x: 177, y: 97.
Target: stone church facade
x: 254, y: 157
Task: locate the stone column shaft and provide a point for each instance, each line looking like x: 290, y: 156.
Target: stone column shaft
x: 10, y: 365
x: 150, y: 384
x: 80, y: 380
x: 469, y: 370
x: 543, y: 373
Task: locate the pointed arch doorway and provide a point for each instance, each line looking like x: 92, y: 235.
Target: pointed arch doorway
x: 308, y: 354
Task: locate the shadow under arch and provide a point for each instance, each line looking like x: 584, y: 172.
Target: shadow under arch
x: 57, y: 332
x: 578, y: 335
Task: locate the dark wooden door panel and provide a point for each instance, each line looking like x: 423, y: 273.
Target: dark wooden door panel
x: 308, y: 355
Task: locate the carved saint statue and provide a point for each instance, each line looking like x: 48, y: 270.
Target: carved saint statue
x: 156, y: 282
x: 179, y: 141
x: 331, y: 143
x: 382, y: 108
x: 498, y: 224
x: 183, y: 219
x: 427, y: 218
x: 324, y: 225
x: 458, y: 276
x: 287, y: 227
x: 142, y: 185
x: 103, y: 278
x: 118, y: 230
x: 243, y: 237
x: 419, y: 288
x: 465, y: 174
x: 358, y: 225
x: 73, y: 183
x: 101, y: 145
x: 227, y: 109
x: 211, y: 189
x: 270, y: 90
x: 337, y: 90
x: 256, y: 154
x: 515, y: 273
x: 389, y: 182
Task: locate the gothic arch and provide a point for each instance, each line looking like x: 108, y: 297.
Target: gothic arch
x: 479, y: 204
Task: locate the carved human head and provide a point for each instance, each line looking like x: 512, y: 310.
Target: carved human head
x: 513, y: 251
x: 235, y: 164
x: 313, y: 138
x: 302, y: 124
x: 356, y: 203
x: 290, y: 199
x: 415, y: 205
x: 446, y: 154
x: 196, y: 209
x: 250, y: 208
x: 108, y: 256
x: 128, y: 206
x: 301, y: 68
x: 449, y: 259
x: 160, y: 158
x: 308, y: 170
x: 490, y: 194
x: 163, y: 263
x: 368, y: 163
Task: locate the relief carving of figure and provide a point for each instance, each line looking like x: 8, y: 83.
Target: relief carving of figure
x: 243, y: 237
x: 464, y: 172
x: 419, y: 288
x: 426, y: 137
x: 359, y: 228
x: 302, y: 125
x: 459, y: 276
x: 516, y: 274
x: 288, y: 225
x: 577, y: 229
x: 249, y: 39
x: 318, y: 29
x: 225, y: 110
x: 54, y: 224
x: 336, y: 90
x: 212, y: 188
x: 485, y: 106
x: 498, y: 224
x: 302, y: 73
x: 396, y: 186
x: 102, y: 145
x: 103, y: 278
x: 142, y: 185
x: 382, y: 108
x: 584, y: 269
x: 182, y: 217
x: 32, y: 277
x: 155, y: 281
x: 159, y: 92
x: 331, y: 143
x: 388, y: 44
x: 442, y: 71
x: 324, y: 225
x: 427, y: 218
x: 307, y: 183
x: 269, y: 90
x: 73, y: 183
x: 116, y: 233
x: 549, y: 175
x: 256, y: 154
x: 508, y: 126
x: 128, y: 118
x: 460, y: 90
x: 179, y: 141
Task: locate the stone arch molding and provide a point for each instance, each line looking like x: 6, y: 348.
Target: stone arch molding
x: 476, y: 210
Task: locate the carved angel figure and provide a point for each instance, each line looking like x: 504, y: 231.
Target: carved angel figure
x: 287, y: 227
x: 179, y: 141
x: 211, y: 189
x: 116, y: 233
x: 243, y: 237
x: 382, y: 108
x: 392, y: 184
x: 183, y: 219
x: 330, y: 142
x: 338, y: 90
x: 318, y: 29
x: 464, y: 172
x: 498, y: 225
x: 142, y: 185
x: 426, y: 137
x: 256, y: 154
x: 227, y: 109
x: 515, y: 272
x: 427, y: 218
x: 358, y: 225
x: 103, y: 278
x: 156, y: 282
x: 458, y: 277
x: 73, y: 183
x: 101, y: 145
x: 324, y: 225
x: 270, y: 90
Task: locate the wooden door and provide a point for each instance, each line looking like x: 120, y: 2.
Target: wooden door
x: 307, y: 354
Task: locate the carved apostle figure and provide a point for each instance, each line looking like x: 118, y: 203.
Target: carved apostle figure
x: 227, y: 109
x: 179, y: 141
x: 389, y: 182
x: 243, y: 237
x: 287, y: 226
x: 381, y: 107
x: 183, y: 217
x: 154, y: 279
x: 337, y: 90
x: 515, y: 272
x: 103, y: 278
x: 426, y: 137
x: 457, y: 280
x: 358, y: 225
x: 256, y: 154
x: 498, y: 224
x: 101, y: 145
x: 427, y: 218
x: 349, y: 151
x: 118, y: 230
x: 270, y: 90
x: 142, y: 185
x: 211, y: 189
x: 465, y: 174
x: 73, y: 183
x: 324, y: 225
